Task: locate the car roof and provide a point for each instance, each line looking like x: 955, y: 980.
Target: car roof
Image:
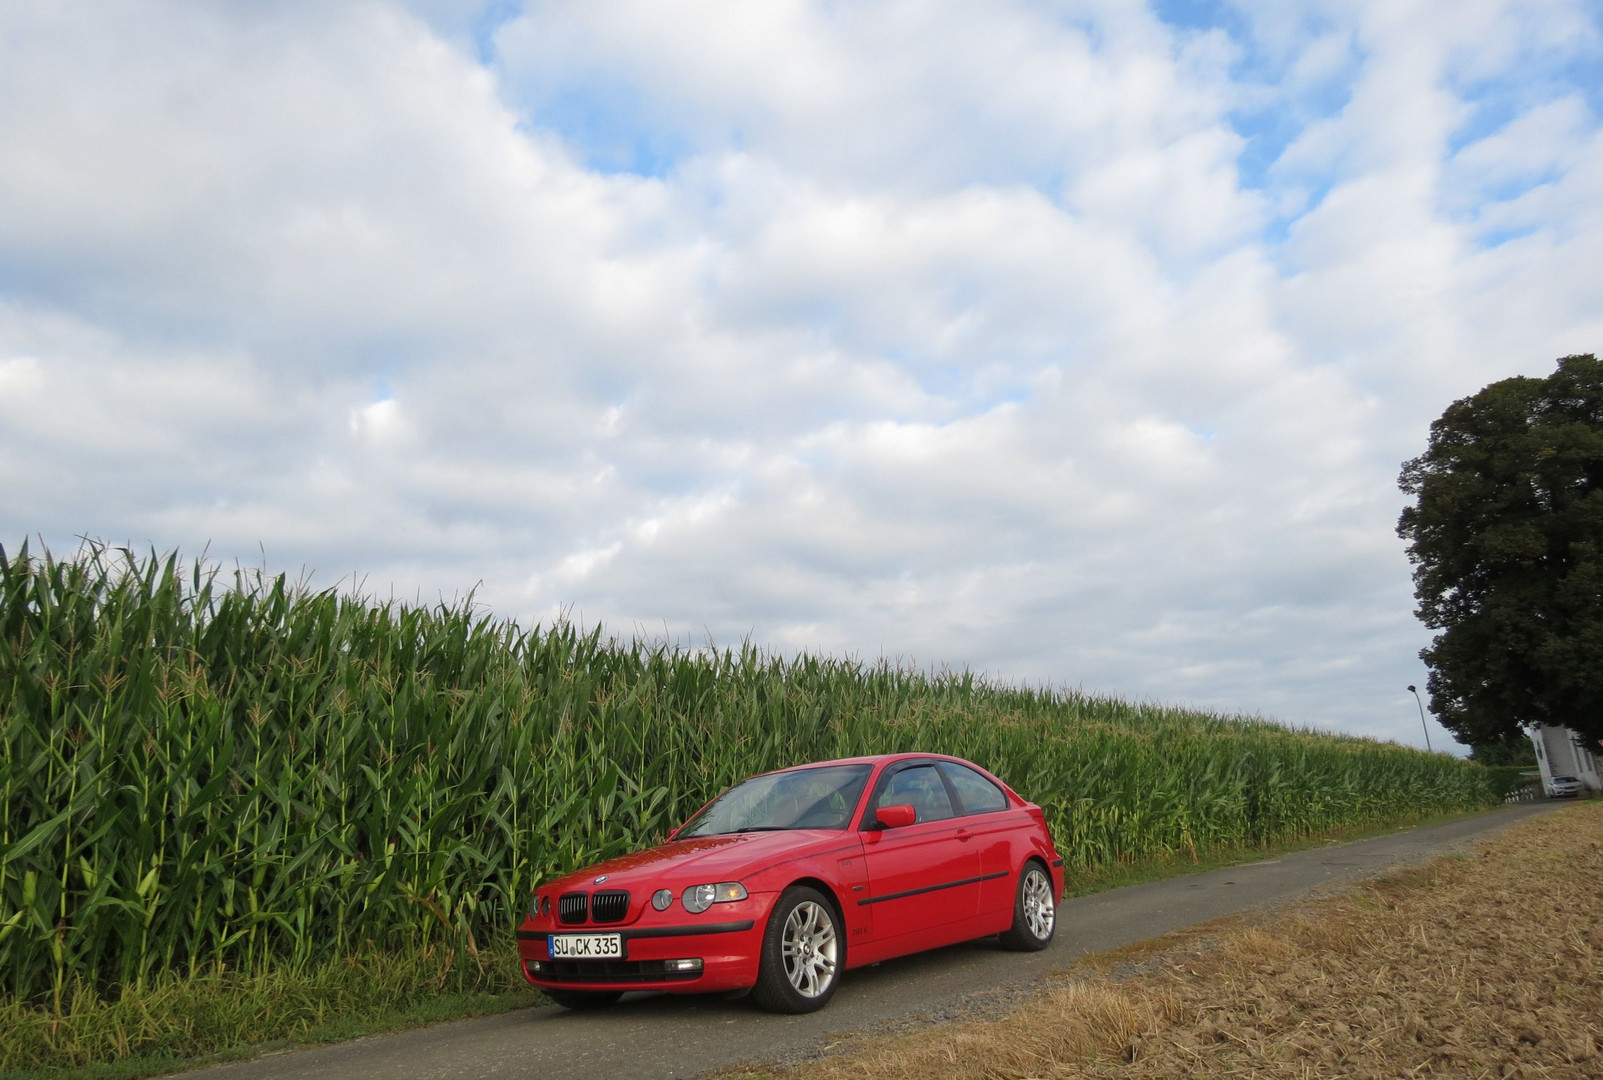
x: 869, y: 759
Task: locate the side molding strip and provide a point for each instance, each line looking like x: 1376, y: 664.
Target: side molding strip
x: 930, y: 888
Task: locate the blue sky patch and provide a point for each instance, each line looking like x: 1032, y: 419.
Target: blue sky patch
x: 609, y: 126
x: 486, y: 22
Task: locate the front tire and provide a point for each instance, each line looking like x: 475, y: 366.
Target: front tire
x: 802, y: 954
x: 583, y: 999
x: 1035, y: 911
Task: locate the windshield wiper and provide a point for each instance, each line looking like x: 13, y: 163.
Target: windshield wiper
x: 763, y: 828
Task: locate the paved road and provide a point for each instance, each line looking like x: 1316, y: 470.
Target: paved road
x: 654, y: 1037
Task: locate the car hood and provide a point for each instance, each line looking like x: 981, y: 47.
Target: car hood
x: 701, y: 859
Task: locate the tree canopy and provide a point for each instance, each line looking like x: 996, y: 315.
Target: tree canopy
x: 1515, y: 750
x: 1506, y: 538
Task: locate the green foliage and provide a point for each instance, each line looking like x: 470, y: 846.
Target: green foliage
x: 1506, y: 779
x: 176, y: 1018
x: 1506, y: 538
x: 200, y: 774
x: 1517, y: 750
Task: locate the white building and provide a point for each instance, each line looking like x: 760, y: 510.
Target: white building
x: 1559, y: 752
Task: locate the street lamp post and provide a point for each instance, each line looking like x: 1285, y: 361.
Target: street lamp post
x: 1422, y: 726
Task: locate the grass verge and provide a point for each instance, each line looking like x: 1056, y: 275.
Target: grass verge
x: 179, y: 1023
x: 1117, y: 876
x: 1486, y: 965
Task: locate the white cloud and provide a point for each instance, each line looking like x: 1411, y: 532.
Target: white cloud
x: 903, y: 94
x: 379, y: 423
x: 950, y: 333
x: 20, y: 378
x: 1548, y: 137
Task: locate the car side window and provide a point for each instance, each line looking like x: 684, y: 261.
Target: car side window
x: 921, y: 787
x: 977, y: 794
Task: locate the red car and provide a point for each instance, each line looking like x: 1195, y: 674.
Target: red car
x: 789, y: 878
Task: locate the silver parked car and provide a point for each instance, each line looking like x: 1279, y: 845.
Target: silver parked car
x: 1563, y: 786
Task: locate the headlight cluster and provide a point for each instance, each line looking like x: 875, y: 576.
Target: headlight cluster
x: 699, y: 898
x: 539, y: 905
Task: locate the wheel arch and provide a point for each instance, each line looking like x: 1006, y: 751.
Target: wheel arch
x: 775, y: 991
x: 829, y: 892
x: 1046, y: 868
x: 1022, y: 936
x: 835, y: 902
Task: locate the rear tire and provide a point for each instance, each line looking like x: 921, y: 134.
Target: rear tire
x: 803, y: 953
x: 1035, y: 911
x: 583, y: 999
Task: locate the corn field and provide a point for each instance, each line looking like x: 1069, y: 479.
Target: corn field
x: 204, y: 771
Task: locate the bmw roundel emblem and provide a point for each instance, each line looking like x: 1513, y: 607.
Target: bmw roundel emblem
x: 600, y: 879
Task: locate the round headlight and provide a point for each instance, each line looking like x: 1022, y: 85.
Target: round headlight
x: 534, y: 906
x: 699, y: 898
x: 661, y: 899
x: 545, y: 905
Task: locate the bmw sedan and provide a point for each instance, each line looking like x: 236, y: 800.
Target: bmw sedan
x: 791, y: 878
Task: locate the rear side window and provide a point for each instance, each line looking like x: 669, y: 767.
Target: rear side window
x: 978, y: 795
x: 923, y: 789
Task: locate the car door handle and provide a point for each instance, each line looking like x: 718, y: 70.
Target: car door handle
x: 964, y: 834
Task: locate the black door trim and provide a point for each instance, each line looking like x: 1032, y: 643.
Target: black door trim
x: 930, y: 888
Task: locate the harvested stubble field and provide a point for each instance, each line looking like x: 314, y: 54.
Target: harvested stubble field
x: 1486, y: 965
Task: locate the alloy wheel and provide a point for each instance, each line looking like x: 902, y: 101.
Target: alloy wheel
x: 1039, y: 910
x: 810, y: 949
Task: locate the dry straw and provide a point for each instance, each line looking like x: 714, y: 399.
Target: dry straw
x: 1490, y: 966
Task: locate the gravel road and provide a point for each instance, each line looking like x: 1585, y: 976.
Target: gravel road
x: 654, y: 1037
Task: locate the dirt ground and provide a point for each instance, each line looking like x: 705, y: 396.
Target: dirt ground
x: 1481, y: 965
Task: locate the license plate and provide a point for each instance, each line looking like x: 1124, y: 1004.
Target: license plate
x: 586, y: 946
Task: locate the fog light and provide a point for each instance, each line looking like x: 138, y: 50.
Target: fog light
x: 535, y: 966
x: 682, y: 965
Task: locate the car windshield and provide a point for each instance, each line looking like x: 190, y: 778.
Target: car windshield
x: 821, y: 798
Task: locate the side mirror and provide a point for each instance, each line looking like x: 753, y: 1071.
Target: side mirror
x: 895, y: 817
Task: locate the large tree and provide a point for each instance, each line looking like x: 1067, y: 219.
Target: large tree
x: 1514, y: 750
x: 1506, y: 537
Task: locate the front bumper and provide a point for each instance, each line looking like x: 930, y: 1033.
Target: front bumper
x: 729, y: 950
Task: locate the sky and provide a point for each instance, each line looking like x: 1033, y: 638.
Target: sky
x: 1074, y: 343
